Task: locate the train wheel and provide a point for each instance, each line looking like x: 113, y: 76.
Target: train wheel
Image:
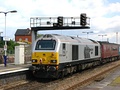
x: 71, y: 71
x: 58, y: 75
x: 62, y: 74
x: 75, y: 69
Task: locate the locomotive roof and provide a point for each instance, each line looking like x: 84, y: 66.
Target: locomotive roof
x: 64, y: 38
x: 106, y: 42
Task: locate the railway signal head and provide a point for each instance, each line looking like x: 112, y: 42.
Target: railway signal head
x: 60, y: 21
x: 55, y: 24
x: 83, y: 19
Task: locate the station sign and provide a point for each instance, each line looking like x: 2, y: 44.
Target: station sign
x: 5, y: 47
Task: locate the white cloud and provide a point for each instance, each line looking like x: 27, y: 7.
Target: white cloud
x: 104, y: 15
x: 114, y: 7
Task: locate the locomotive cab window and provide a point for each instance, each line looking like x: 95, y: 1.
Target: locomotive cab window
x: 64, y: 49
x: 63, y: 46
x: 45, y: 45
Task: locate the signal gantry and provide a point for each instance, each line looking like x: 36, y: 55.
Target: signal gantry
x: 60, y: 22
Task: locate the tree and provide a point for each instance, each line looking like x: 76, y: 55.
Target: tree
x: 39, y: 35
x: 10, y: 45
x: 1, y: 44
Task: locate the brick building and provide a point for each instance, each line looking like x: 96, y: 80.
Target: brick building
x: 23, y: 35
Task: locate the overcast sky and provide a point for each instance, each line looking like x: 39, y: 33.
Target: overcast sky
x: 104, y: 14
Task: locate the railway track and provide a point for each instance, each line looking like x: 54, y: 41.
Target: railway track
x: 29, y: 85
x: 68, y: 83
x: 97, y: 74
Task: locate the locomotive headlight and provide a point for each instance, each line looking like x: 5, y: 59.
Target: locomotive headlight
x: 34, y: 60
x: 53, y: 61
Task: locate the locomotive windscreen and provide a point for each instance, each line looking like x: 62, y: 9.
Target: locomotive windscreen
x: 45, y: 45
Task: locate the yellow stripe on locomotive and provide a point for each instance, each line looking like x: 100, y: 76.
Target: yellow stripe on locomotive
x: 45, y: 58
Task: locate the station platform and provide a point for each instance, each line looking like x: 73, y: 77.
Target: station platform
x: 11, y: 68
x: 111, y: 82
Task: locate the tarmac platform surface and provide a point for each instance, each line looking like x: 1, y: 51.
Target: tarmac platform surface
x: 13, y: 68
x: 111, y: 82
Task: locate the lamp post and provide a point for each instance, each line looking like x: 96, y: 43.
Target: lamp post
x: 117, y: 37
x: 102, y: 36
x: 5, y: 46
x: 88, y: 33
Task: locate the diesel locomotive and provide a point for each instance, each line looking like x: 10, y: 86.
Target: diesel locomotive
x: 55, y: 56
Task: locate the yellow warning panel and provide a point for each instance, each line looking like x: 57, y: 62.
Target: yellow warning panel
x: 115, y: 82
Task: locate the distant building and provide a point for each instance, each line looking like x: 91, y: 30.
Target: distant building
x: 23, y: 35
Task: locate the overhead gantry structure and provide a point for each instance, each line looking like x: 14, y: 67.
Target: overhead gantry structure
x: 58, y: 23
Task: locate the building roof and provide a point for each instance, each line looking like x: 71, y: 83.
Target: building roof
x: 21, y: 32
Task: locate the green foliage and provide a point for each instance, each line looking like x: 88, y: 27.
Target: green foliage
x: 1, y: 44
x: 10, y: 45
x: 39, y: 35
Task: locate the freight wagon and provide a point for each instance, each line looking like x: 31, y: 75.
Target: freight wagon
x: 109, y: 51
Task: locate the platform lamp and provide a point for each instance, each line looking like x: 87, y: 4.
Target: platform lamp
x: 5, y: 46
x: 102, y: 36
x: 88, y: 33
